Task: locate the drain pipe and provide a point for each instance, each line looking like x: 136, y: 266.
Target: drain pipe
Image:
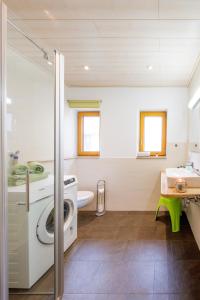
x: 194, y: 200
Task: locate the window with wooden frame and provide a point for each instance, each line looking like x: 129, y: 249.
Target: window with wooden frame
x: 88, y: 133
x: 153, y: 132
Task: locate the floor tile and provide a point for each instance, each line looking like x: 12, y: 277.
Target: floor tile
x: 124, y: 277
x: 79, y: 276
x: 128, y: 256
x: 31, y: 297
x: 148, y: 219
x: 126, y: 233
x: 148, y: 250
x: 85, y: 219
x: 165, y: 233
x: 185, y: 250
x: 89, y: 250
x: 186, y: 296
x: 110, y: 297
x: 146, y: 233
x: 83, y: 233
x: 103, y: 232
x: 179, y: 276
x: 85, y: 297
x: 113, y: 220
x: 130, y: 220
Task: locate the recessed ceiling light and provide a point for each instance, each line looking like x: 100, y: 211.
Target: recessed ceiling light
x: 86, y: 68
x: 149, y: 67
x: 49, y: 63
x: 51, y: 17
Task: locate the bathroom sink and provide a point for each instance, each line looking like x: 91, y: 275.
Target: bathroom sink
x: 192, y: 179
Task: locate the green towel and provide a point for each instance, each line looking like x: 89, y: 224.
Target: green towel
x: 37, y: 177
x: 36, y: 167
x: 15, y: 180
x: 19, y: 169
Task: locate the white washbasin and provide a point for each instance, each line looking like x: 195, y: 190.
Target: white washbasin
x: 192, y: 179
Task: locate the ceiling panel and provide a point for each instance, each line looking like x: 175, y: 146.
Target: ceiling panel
x: 104, y: 9
x: 123, y: 45
x: 58, y: 29
x: 117, y: 39
x: 127, y: 83
x: 130, y: 29
x: 104, y: 44
x: 83, y: 9
x: 180, y: 45
x: 124, y: 79
x: 150, y: 29
x: 179, y: 9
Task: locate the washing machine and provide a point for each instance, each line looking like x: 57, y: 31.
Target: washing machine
x: 31, y: 233
x: 45, y: 226
x: 70, y: 210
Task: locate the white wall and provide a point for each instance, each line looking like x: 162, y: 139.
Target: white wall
x: 69, y: 132
x: 193, y: 211
x: 32, y: 92
x: 194, y: 115
x: 195, y: 82
x: 70, y: 137
x: 120, y: 115
x: 132, y: 184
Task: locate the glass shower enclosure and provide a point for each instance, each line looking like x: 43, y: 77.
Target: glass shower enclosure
x: 32, y: 81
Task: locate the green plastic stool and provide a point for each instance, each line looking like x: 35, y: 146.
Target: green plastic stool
x: 175, y: 211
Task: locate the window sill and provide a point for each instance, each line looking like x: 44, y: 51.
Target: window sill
x: 151, y: 157
x: 88, y: 156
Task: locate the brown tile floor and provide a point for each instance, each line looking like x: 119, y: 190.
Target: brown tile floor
x: 128, y: 256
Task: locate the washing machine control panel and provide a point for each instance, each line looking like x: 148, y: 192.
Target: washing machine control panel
x: 69, y: 180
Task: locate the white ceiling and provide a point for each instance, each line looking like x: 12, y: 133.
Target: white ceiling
x: 117, y: 39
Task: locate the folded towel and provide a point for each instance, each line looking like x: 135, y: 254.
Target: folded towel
x: 15, y: 180
x: 35, y: 167
x: 143, y: 154
x: 37, y: 177
x: 19, y: 169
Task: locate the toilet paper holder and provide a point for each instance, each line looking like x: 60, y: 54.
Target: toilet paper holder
x: 101, y: 198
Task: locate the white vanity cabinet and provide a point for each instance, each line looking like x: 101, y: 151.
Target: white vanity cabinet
x: 25, y: 250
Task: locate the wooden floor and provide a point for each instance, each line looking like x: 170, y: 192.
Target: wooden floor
x: 129, y: 256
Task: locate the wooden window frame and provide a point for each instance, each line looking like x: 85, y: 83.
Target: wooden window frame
x: 81, y: 115
x: 163, y: 115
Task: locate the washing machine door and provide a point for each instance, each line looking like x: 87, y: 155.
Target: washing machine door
x: 45, y: 226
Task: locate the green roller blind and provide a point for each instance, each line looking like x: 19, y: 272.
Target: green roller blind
x: 84, y: 103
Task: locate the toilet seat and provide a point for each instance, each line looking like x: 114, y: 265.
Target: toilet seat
x: 84, y: 198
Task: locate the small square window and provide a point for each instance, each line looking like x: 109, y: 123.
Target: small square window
x: 153, y: 132
x: 88, y: 133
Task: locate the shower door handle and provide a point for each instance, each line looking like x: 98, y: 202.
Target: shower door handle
x: 27, y: 191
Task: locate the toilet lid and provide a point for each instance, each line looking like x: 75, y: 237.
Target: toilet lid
x: 84, y: 195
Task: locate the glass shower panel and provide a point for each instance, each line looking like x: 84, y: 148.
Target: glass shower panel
x: 30, y: 135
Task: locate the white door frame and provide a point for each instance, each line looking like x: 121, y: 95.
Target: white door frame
x: 59, y: 176
x: 3, y: 157
x: 58, y: 165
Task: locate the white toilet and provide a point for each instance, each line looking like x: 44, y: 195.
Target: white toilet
x: 84, y: 198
